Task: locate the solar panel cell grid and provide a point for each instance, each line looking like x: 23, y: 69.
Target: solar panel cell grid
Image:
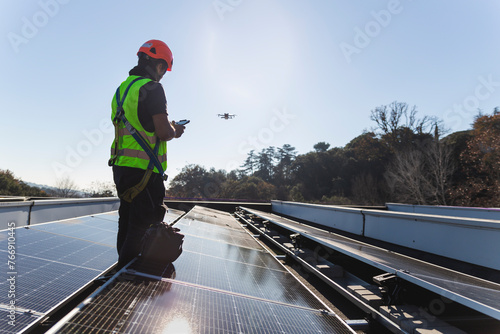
x: 220, y: 286
x: 218, y: 249
x: 213, y: 217
x: 21, y: 320
x: 42, y: 284
x: 80, y: 231
x: 54, y: 260
x: 212, y: 232
x: 244, y: 278
x: 161, y: 307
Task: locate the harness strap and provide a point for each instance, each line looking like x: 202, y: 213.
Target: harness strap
x: 129, y: 194
x: 116, y: 119
x: 153, y: 154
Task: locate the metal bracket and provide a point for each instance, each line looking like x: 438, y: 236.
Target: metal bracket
x: 393, y: 287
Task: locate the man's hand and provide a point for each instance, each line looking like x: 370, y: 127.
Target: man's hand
x: 163, y: 128
x: 179, y: 129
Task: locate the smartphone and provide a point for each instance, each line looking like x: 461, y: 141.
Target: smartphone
x: 183, y: 122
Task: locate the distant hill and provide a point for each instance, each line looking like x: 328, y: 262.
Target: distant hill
x: 44, y: 187
x: 11, y: 186
x: 51, y: 190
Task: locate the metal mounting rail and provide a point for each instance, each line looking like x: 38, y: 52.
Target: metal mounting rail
x: 478, y: 294
x: 375, y: 314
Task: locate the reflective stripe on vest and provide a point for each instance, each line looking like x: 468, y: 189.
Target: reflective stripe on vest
x: 126, y: 152
x: 130, y: 153
x: 144, y: 134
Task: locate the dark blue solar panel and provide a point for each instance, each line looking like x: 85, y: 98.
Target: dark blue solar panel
x: 41, y: 284
x: 161, y: 307
x: 14, y: 322
x: 89, y: 228
x: 238, y: 237
x: 55, y: 260
x: 224, y: 282
x: 243, y: 277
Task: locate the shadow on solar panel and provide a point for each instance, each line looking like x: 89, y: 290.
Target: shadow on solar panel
x: 150, y: 268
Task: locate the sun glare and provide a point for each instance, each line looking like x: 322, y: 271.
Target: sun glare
x: 178, y: 326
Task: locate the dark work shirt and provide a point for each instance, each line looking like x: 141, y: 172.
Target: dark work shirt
x: 152, y: 99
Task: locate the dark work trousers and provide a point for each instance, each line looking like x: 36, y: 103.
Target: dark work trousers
x: 135, y: 217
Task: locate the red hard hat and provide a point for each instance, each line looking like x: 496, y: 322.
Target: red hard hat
x: 158, y: 50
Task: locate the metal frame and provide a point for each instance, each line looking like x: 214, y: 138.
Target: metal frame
x: 393, y: 327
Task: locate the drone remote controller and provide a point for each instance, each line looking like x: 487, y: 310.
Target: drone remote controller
x: 183, y: 122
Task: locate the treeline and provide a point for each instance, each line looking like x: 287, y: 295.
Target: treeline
x: 10, y: 186
x: 65, y: 188
x: 405, y: 159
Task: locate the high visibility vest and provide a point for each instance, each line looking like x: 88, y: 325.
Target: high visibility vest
x: 130, y: 153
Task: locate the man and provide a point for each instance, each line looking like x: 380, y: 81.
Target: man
x: 139, y: 113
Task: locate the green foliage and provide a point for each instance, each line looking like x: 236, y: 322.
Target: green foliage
x: 321, y: 147
x: 10, y: 186
x: 335, y: 200
x: 403, y: 161
x: 321, y: 173
x: 195, y: 181
x: 250, y: 188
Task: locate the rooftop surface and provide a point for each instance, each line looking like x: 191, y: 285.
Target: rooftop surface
x: 230, y: 280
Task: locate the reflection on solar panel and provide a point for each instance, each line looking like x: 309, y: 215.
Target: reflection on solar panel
x: 224, y: 282
x: 52, y: 262
x: 164, y: 307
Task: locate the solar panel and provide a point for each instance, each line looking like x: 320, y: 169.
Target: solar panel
x: 475, y: 293
x: 210, y: 232
x: 172, y: 307
x: 225, y: 281
x: 53, y: 261
x: 213, y: 217
x: 93, y: 229
x: 42, y: 284
x: 21, y: 321
x: 244, y: 278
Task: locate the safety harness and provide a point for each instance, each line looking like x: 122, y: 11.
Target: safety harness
x: 129, y: 194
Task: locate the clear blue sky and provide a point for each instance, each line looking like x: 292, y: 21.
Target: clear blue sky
x: 294, y: 72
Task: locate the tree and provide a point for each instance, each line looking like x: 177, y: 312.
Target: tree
x: 194, y: 181
x: 282, y: 171
x: 319, y: 174
x: 65, y: 188
x: 440, y: 169
x: 406, y: 177
x: 368, y: 157
x: 189, y: 182
x: 265, y: 164
x: 101, y: 189
x: 11, y: 186
x: 365, y: 189
x: 400, y: 128
x: 389, y: 118
x: 422, y: 175
x: 480, y: 164
x: 321, y: 147
x: 250, y: 163
x: 250, y: 188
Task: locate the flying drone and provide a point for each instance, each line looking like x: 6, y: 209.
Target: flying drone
x: 226, y: 116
